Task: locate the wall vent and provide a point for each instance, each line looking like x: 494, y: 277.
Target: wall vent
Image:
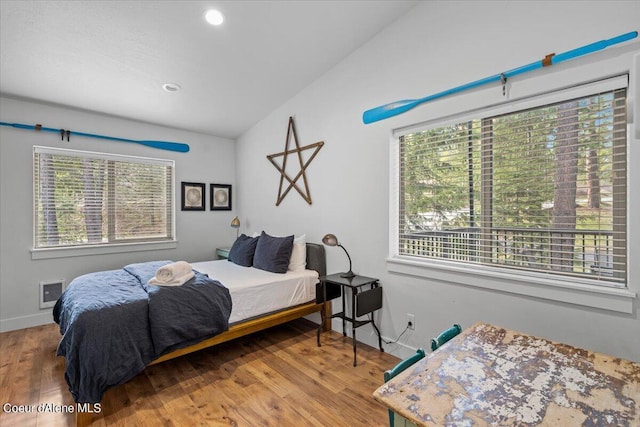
x: 50, y: 292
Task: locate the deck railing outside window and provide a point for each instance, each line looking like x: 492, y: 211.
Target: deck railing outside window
x: 592, y: 251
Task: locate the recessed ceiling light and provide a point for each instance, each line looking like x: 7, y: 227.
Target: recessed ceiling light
x: 214, y: 17
x: 171, y: 87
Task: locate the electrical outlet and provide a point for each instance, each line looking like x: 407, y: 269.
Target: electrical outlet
x: 411, y: 321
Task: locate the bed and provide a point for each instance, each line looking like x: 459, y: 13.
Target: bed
x: 259, y: 300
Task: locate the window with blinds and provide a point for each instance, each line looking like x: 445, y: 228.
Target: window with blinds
x: 541, y: 189
x: 83, y: 198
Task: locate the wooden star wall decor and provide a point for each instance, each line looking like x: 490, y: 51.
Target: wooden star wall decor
x: 293, y: 182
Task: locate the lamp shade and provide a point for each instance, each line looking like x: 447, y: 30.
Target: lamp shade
x: 330, y: 240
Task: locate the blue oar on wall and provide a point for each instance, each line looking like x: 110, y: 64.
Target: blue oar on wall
x: 399, y: 107
x: 161, y: 145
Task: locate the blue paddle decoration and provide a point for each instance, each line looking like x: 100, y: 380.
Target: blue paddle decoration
x: 161, y: 145
x: 399, y: 107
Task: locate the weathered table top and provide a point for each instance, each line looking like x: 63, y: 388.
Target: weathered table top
x: 493, y: 376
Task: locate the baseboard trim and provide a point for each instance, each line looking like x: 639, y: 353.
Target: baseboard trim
x: 24, y: 322
x: 397, y: 349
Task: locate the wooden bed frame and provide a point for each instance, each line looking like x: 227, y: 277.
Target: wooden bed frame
x: 315, y: 261
x: 254, y: 325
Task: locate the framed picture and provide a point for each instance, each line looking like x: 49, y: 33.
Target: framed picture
x: 193, y: 196
x: 220, y: 197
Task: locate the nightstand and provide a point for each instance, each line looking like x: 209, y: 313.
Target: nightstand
x: 223, y: 253
x: 362, y: 302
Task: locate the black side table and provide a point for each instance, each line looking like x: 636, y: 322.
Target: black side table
x: 362, y: 302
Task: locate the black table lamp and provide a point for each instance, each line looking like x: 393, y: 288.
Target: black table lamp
x: 332, y: 240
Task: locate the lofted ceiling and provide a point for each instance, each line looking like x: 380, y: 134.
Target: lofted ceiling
x: 113, y: 57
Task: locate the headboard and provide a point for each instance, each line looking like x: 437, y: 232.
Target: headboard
x: 316, y: 259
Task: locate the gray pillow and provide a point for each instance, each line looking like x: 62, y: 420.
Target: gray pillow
x: 273, y: 253
x: 243, y: 250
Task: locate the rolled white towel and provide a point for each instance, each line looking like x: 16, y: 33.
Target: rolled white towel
x: 178, y: 281
x: 174, y: 274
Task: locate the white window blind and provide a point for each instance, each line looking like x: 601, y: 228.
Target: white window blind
x: 541, y: 189
x: 84, y: 198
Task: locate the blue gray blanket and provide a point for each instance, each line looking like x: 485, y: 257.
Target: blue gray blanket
x: 113, y: 324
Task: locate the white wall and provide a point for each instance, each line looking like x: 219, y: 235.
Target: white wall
x: 436, y: 46
x: 210, y: 160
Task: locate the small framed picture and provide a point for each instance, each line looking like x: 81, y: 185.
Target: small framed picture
x: 193, y: 196
x: 220, y: 197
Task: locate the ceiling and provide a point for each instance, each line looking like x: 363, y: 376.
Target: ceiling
x: 113, y: 57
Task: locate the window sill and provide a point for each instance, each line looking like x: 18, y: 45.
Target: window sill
x: 101, y: 250
x: 567, y: 291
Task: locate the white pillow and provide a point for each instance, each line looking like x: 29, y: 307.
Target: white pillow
x: 298, y: 260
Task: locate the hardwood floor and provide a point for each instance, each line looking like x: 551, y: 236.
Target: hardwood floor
x: 277, y: 377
